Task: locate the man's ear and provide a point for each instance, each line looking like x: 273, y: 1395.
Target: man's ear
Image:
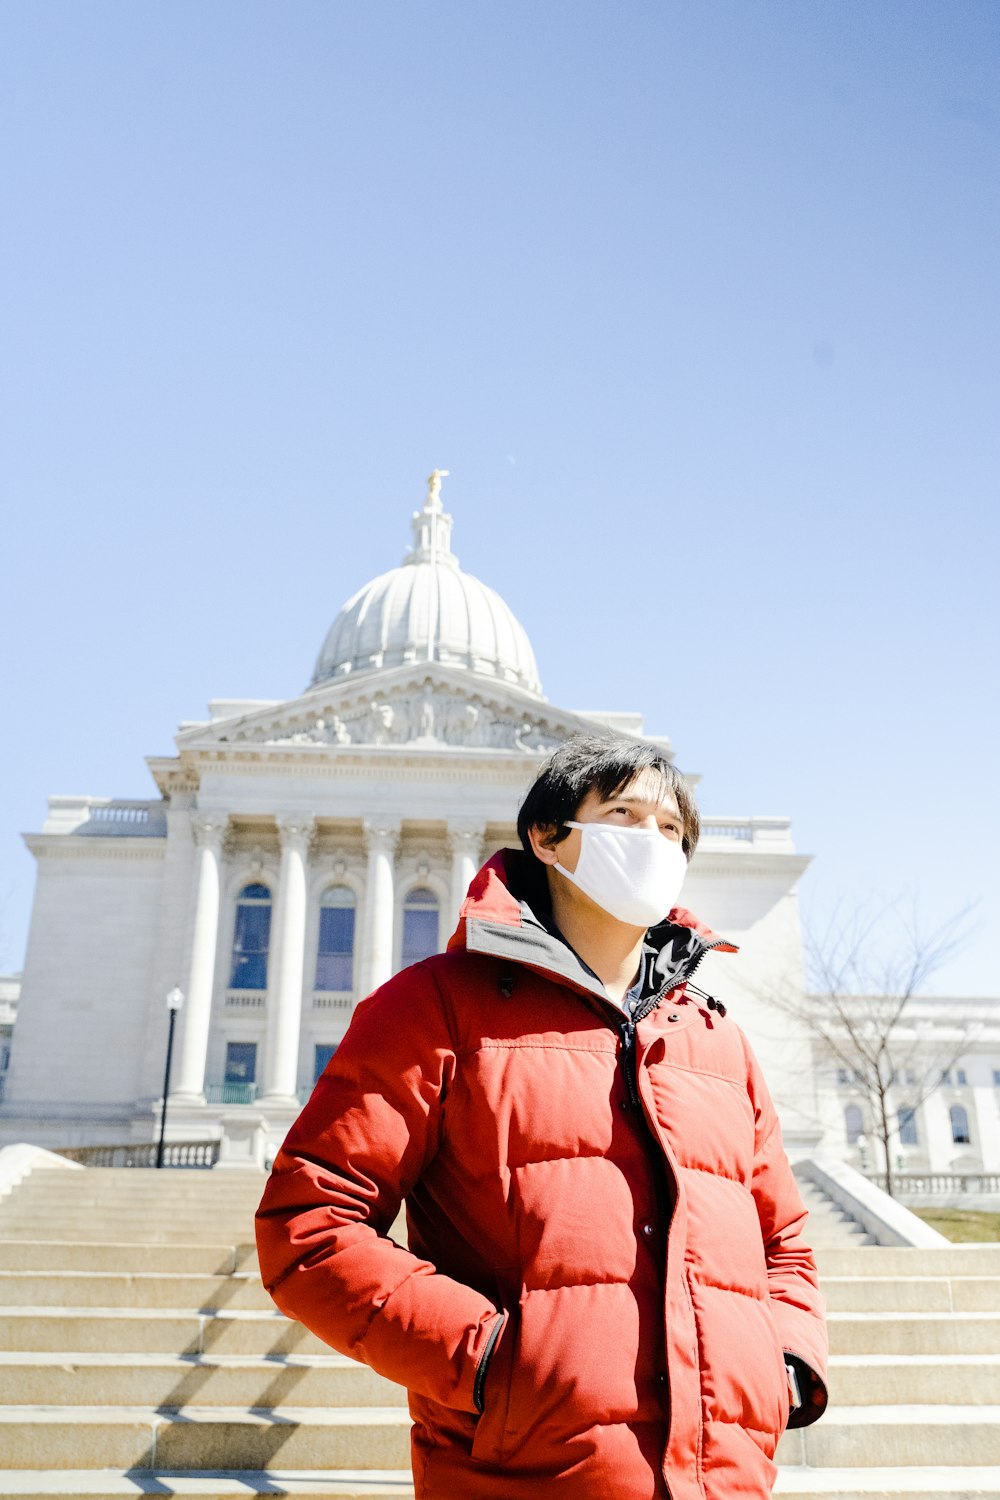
x: 543, y: 842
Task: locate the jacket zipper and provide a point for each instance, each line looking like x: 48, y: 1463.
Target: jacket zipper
x: 707, y: 948
x: 483, y: 1366
x: 628, y: 1062
x: 627, y: 1029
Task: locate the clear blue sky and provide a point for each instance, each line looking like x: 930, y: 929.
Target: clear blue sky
x: 698, y: 303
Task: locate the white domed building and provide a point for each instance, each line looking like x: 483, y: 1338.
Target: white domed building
x: 299, y: 852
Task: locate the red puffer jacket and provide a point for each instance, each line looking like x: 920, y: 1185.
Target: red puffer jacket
x: 605, y: 1260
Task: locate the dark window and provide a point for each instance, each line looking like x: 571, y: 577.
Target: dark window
x: 961, y: 1077
x: 843, y: 1076
x: 946, y: 1080
x: 251, y: 939
x: 323, y: 1052
x: 908, y: 1127
x: 335, y: 955
x: 420, y: 926
x: 996, y: 1078
x: 959, y: 1125
x: 241, y: 1062
x: 853, y: 1124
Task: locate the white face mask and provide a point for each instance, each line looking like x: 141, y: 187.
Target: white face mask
x: 635, y: 874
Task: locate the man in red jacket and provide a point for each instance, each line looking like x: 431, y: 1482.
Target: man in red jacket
x: 606, y: 1291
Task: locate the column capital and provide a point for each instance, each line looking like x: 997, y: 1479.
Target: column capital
x: 465, y: 836
x: 382, y: 834
x: 295, y: 831
x: 209, y: 830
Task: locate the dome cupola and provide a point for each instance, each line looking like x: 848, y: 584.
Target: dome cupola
x: 428, y: 610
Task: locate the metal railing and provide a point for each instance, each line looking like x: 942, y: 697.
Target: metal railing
x: 143, y: 1154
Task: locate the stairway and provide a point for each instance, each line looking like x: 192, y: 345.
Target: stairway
x: 140, y: 1355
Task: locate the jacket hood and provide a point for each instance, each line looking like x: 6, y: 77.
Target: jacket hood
x: 505, y: 914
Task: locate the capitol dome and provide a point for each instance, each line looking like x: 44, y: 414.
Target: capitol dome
x: 428, y: 610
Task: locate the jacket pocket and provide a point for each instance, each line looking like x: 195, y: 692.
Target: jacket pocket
x: 492, y: 1391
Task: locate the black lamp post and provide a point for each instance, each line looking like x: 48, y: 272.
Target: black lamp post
x: 175, y: 999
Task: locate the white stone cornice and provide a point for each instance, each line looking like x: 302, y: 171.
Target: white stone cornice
x: 753, y: 865
x: 66, y: 846
x: 209, y: 830
x: 392, y: 764
x: 171, y: 774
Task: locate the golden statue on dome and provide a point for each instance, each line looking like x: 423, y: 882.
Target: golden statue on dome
x: 434, y: 488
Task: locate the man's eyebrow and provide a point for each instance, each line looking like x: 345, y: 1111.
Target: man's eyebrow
x: 670, y: 811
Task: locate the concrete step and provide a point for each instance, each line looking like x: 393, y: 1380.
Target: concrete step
x: 301, y: 1437
x: 912, y: 1293
x: 163, y: 1174
x: 203, y: 1437
x: 919, y: 1380
x: 130, y: 1379
x: 98, y: 1231
x: 83, y: 1214
x: 103, y: 1484
x: 879, y: 1298
x: 92, y: 1330
x: 949, y: 1260
x: 914, y: 1333
x: 44, y: 1188
x: 914, y: 1483
x: 136, y: 1290
x: 56, y: 1255
x: 157, y: 1380
x: 53, y: 1207
x: 138, y: 1182
x: 146, y: 1175
x: 255, y: 1331
x: 853, y: 1437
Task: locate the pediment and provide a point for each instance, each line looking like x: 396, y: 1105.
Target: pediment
x: 423, y: 706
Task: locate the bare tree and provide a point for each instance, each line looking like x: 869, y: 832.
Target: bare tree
x: 864, y: 973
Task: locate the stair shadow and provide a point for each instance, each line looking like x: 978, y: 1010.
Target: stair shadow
x: 146, y: 1482
x: 276, y: 1391
x: 256, y: 1483
x: 288, y: 1337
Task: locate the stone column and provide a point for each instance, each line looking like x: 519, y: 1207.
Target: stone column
x: 381, y: 838
x: 284, y: 989
x: 209, y: 830
x: 466, y: 841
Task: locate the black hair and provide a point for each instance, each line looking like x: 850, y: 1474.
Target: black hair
x: 605, y: 764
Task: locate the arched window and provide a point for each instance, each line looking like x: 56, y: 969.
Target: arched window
x: 335, y: 952
x: 907, y: 1127
x: 960, y: 1125
x: 420, y: 925
x: 251, y: 938
x: 853, y: 1123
